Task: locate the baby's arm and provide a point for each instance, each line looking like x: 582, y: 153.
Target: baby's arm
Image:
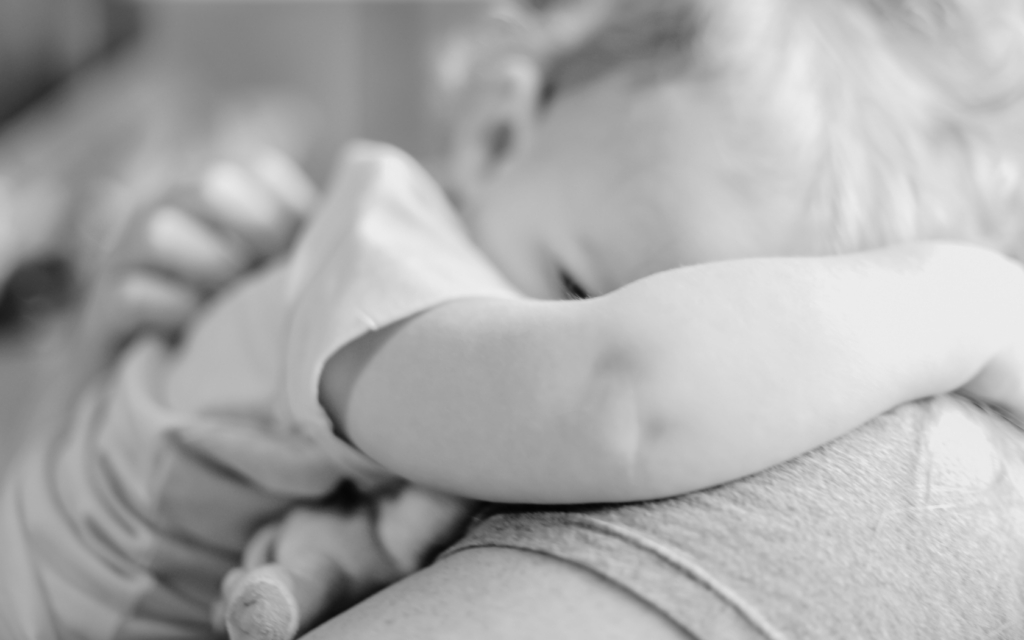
x: 680, y: 381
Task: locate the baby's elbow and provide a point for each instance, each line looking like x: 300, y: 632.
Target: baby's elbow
x: 633, y: 415
x: 638, y: 453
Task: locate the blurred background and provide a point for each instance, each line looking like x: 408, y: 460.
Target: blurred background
x: 104, y: 104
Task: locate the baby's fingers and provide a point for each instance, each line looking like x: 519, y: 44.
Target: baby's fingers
x: 417, y: 523
x: 325, y: 561
x: 277, y: 602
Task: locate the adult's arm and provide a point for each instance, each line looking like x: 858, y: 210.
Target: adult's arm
x: 908, y: 526
x: 501, y: 594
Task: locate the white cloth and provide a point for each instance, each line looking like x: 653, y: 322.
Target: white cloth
x: 123, y: 525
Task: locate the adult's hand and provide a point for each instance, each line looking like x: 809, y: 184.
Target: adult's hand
x: 193, y: 243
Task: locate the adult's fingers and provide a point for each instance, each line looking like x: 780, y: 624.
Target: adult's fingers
x: 183, y: 246
x: 151, y: 300
x: 140, y: 301
x: 124, y: 306
x: 210, y: 233
x: 173, y: 239
x: 286, y: 180
x: 262, y: 202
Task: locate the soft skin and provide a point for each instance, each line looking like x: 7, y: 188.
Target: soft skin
x: 573, y: 381
x: 673, y: 377
x: 554, y: 205
x: 679, y: 381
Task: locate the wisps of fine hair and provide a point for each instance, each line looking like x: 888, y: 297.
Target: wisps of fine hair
x: 919, y: 120
x: 910, y: 111
x: 651, y: 31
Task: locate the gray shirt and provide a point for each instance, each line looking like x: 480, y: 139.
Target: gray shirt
x: 910, y: 527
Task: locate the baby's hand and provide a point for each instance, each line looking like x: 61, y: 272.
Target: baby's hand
x: 1000, y: 382
x: 318, y: 562
x: 191, y: 245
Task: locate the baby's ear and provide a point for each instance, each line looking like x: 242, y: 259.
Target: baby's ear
x: 497, y: 119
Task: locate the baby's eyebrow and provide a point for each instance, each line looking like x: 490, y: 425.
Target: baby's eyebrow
x: 641, y: 30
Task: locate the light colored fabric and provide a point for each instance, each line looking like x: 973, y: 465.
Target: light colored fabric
x: 910, y: 527
x: 123, y: 524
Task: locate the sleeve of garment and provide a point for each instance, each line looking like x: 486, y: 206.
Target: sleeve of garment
x: 124, y: 524
x: 384, y: 245
x: 403, y: 252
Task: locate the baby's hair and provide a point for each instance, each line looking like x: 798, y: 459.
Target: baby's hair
x: 908, y: 111
x: 911, y: 109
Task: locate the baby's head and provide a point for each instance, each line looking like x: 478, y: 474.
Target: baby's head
x: 604, y: 140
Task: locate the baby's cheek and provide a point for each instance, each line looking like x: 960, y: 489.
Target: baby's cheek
x: 508, y: 248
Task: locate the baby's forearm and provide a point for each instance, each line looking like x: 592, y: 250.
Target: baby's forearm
x: 677, y: 382
x: 743, y: 365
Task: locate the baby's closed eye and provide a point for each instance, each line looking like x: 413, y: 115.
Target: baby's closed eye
x: 571, y: 289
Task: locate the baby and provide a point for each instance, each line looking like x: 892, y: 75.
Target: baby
x: 876, y: 156
x: 668, y: 380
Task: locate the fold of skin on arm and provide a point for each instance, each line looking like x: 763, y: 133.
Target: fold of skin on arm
x: 677, y: 382
x: 672, y: 382
x: 686, y: 138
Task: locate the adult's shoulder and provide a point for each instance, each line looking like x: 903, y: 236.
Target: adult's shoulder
x: 916, y: 516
